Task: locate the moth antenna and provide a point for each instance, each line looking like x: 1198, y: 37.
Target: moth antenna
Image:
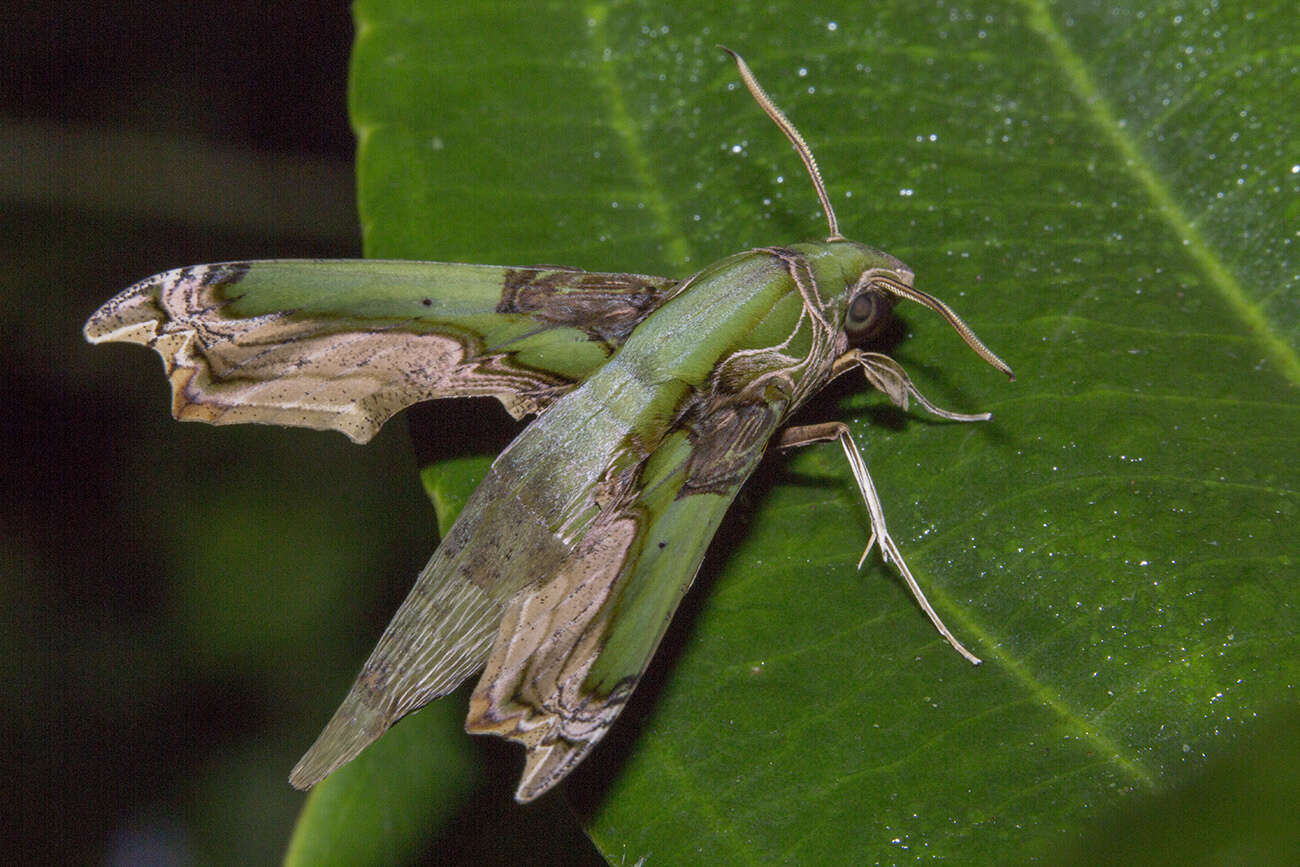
x: 800, y: 146
x: 954, y: 320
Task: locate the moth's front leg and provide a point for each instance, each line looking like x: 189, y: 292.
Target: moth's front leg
x: 807, y: 434
x: 816, y: 433
x: 887, y: 375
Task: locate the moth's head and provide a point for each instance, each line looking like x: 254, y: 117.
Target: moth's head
x: 869, y: 300
x: 873, y: 282
x: 858, y: 285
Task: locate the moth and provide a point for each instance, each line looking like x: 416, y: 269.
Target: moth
x: 655, y: 398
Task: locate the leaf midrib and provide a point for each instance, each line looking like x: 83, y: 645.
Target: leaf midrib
x: 1097, y: 107
x: 677, y: 248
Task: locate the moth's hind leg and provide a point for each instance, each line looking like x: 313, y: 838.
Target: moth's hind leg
x: 808, y: 434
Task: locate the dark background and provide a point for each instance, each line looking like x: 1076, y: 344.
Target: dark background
x: 180, y: 603
x: 134, y: 133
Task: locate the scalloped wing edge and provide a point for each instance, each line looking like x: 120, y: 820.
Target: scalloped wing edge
x: 340, y: 374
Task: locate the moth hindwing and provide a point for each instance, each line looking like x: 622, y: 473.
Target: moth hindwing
x: 655, y: 400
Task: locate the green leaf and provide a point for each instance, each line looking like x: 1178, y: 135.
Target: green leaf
x: 379, y: 808
x: 1107, y: 197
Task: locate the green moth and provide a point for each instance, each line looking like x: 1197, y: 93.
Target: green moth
x: 655, y: 399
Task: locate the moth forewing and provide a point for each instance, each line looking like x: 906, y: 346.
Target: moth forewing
x: 344, y: 345
x: 657, y: 399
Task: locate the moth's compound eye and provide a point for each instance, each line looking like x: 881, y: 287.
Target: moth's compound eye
x: 868, y: 312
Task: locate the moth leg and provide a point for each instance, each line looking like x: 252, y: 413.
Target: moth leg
x: 806, y: 435
x: 887, y: 375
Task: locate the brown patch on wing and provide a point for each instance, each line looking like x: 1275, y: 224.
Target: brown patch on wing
x: 532, y: 690
x: 731, y: 420
x: 605, y: 306
x: 726, y: 443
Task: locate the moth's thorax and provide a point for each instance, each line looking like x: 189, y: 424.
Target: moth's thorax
x: 764, y: 322
x: 838, y: 266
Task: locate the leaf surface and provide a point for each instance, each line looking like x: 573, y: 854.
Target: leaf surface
x: 1107, y: 197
